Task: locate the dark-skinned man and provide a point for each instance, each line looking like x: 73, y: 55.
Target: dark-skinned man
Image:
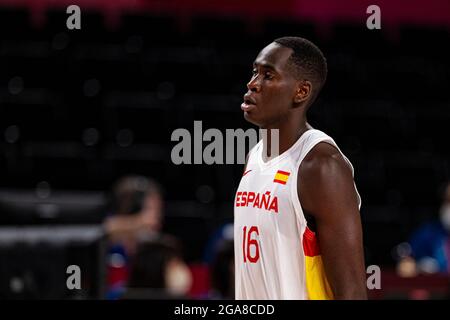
x: 297, y: 224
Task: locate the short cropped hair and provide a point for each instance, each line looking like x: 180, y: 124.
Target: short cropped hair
x: 307, y: 60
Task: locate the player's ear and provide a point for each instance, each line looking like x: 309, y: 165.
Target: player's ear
x: 303, y: 92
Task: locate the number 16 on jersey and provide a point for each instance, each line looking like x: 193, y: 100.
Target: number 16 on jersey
x: 250, y: 246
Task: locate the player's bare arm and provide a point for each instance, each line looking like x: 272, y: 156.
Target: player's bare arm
x: 326, y: 192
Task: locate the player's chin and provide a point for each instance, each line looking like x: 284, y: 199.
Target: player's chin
x: 252, y: 117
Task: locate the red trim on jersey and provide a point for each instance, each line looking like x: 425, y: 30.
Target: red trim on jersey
x: 279, y: 181
x: 310, y: 245
x: 246, y: 172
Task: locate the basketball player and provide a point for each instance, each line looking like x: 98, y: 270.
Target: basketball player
x: 297, y: 222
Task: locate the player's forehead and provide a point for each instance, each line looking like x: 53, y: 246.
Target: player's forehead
x: 273, y: 56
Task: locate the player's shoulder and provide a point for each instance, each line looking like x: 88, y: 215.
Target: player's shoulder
x: 323, y: 160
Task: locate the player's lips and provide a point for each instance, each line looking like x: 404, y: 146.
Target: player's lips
x: 249, y: 103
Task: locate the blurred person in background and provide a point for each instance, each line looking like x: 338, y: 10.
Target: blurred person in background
x: 158, y: 271
x: 219, y: 256
x: 429, y: 245
x: 136, y: 214
x: 222, y: 271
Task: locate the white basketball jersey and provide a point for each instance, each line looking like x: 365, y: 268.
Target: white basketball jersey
x: 276, y: 255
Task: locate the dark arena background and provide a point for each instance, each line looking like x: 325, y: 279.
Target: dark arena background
x: 82, y: 108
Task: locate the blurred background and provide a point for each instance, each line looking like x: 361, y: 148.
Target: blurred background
x: 86, y: 118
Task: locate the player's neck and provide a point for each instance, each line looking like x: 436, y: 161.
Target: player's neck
x: 288, y: 134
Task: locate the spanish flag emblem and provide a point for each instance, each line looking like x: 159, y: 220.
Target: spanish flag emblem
x: 281, y: 177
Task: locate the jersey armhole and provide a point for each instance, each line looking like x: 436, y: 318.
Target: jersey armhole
x: 308, y: 220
